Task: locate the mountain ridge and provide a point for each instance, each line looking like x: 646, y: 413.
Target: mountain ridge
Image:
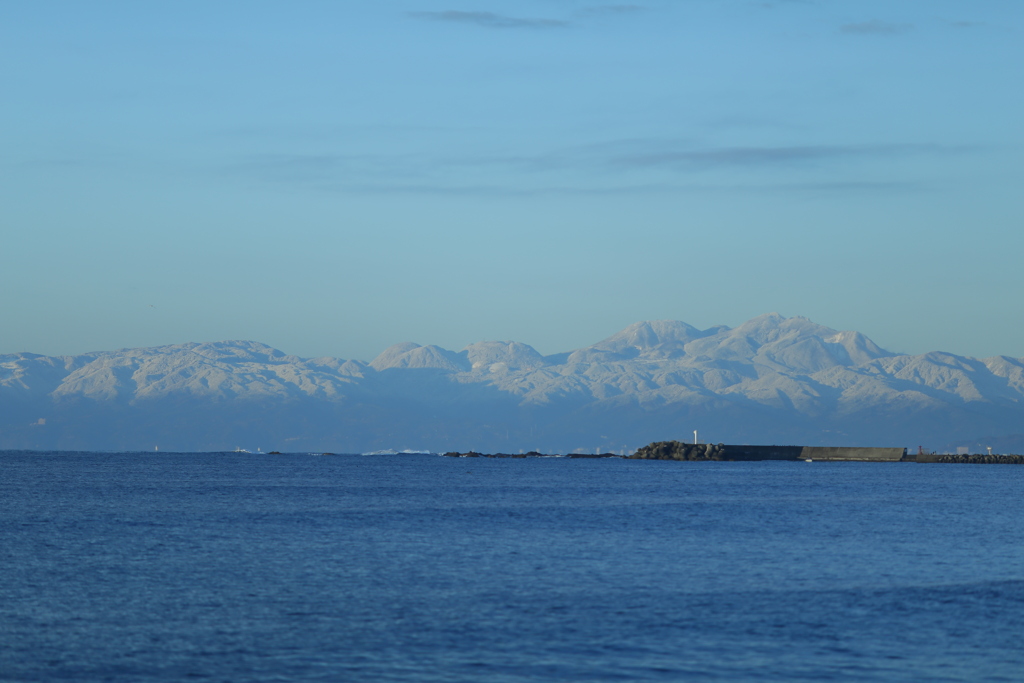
x: 771, y: 379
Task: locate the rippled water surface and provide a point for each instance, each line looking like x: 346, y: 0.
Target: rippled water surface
x: 239, y: 567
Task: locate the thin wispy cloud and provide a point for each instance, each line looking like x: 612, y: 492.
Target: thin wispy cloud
x: 621, y: 189
x: 875, y: 27
x: 623, y: 167
x: 766, y: 156
x: 489, y: 19
x: 675, y: 156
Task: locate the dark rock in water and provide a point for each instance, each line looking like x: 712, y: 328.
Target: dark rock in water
x: 454, y: 454
x: 976, y: 459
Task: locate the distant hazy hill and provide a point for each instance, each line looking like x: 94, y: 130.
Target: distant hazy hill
x: 770, y: 380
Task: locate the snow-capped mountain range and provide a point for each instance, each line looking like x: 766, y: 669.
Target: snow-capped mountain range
x: 771, y: 380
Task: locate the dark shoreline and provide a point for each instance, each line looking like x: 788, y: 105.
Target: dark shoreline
x: 972, y: 459
x: 533, y: 454
x: 677, y: 450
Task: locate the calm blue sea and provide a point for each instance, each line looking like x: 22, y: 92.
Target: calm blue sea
x: 241, y: 567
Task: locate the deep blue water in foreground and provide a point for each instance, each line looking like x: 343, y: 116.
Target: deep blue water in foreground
x: 238, y: 567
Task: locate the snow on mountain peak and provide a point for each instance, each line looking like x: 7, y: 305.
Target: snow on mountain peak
x: 649, y: 339
x: 410, y: 355
x: 506, y: 354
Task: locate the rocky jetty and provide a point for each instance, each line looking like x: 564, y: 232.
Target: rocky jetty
x: 677, y: 450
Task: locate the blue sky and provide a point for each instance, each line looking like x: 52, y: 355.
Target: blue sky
x: 331, y: 178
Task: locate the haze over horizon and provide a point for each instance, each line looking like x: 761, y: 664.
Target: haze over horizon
x: 332, y: 179
x: 773, y: 315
